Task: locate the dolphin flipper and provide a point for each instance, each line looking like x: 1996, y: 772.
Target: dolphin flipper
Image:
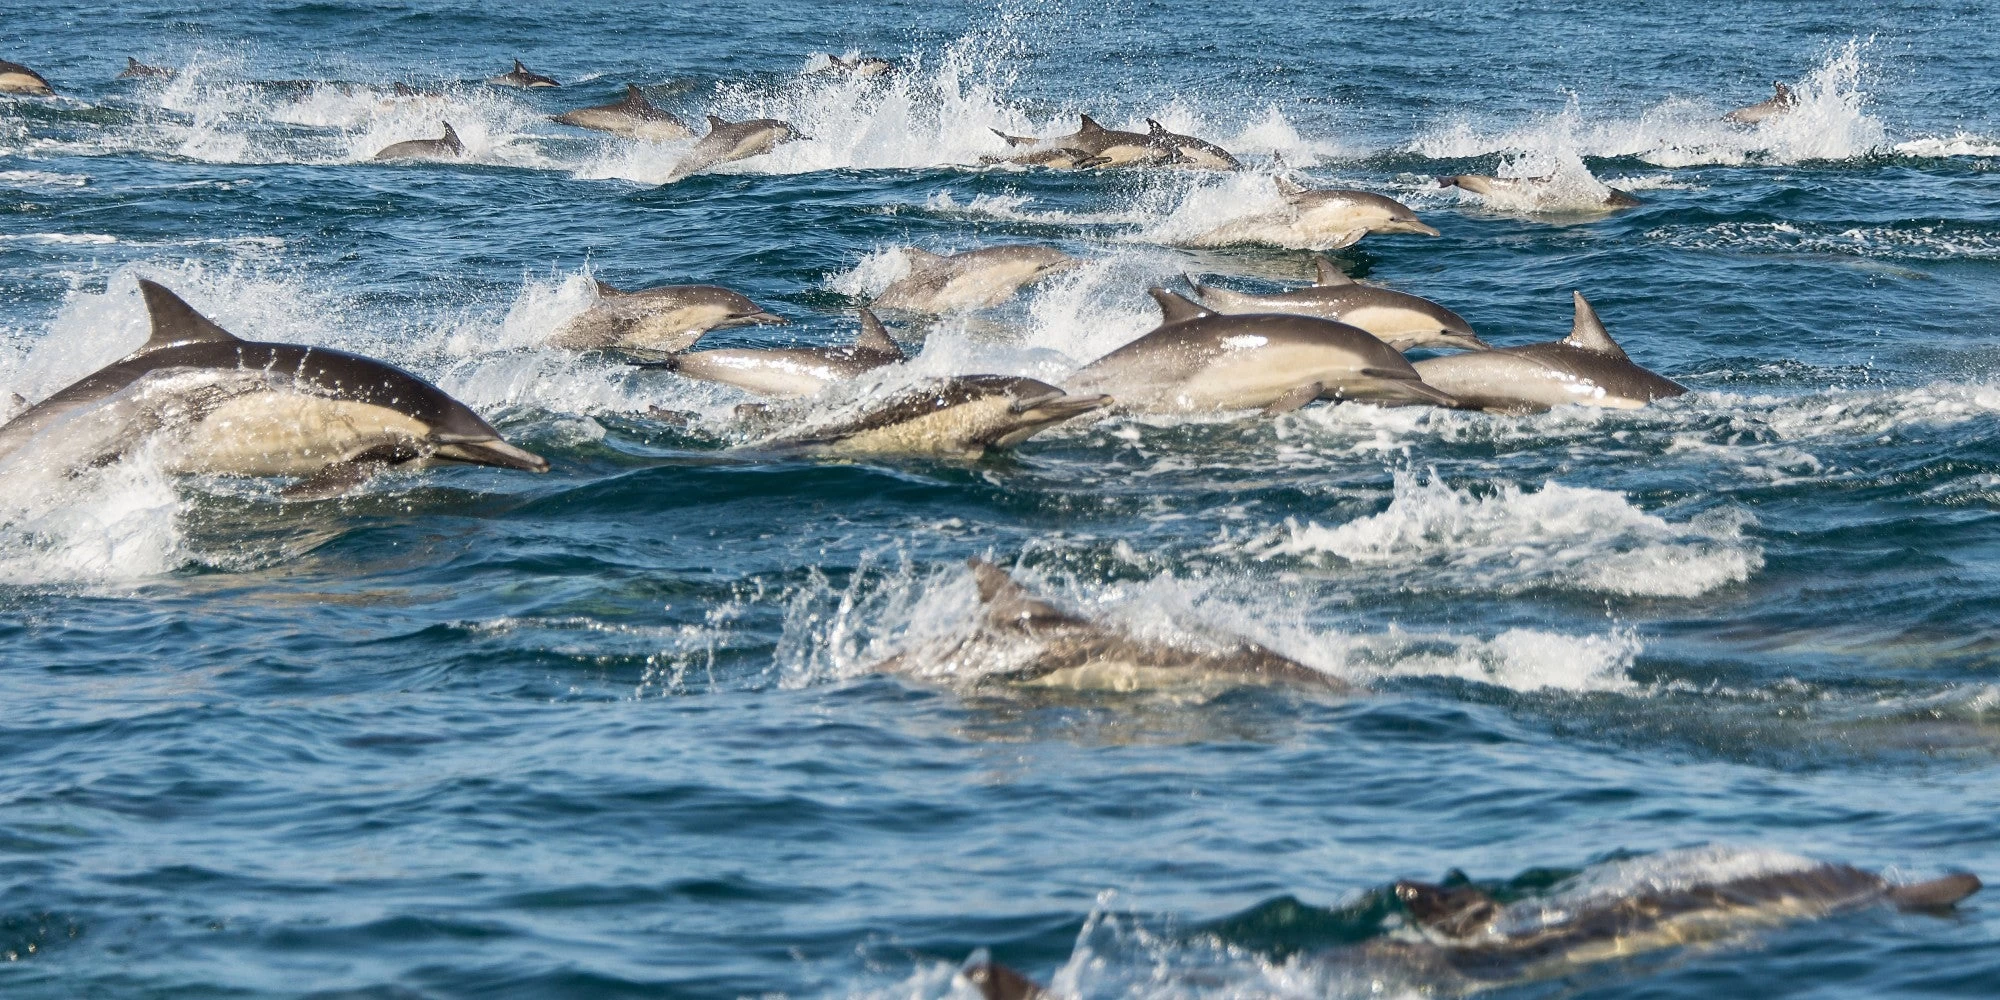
x: 1295, y: 399
x: 1936, y: 894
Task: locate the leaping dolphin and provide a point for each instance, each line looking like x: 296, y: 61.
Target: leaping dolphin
x: 1781, y: 103
x: 955, y: 418
x: 973, y: 279
x: 1091, y: 145
x: 1317, y: 219
x: 1023, y: 641
x: 634, y: 117
x: 521, y: 76
x: 18, y: 79
x: 1400, y: 320
x: 790, y: 372
x: 727, y: 142
x: 136, y: 70
x: 1587, y: 368
x: 1536, y: 187
x: 663, y: 319
x: 237, y: 407
x: 446, y: 148
x: 1189, y: 151
x: 1200, y: 360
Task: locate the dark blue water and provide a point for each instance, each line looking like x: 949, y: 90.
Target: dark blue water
x: 618, y: 731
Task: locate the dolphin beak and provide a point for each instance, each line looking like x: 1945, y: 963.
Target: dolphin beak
x: 494, y: 452
x: 759, y: 318
x: 1059, y: 406
x: 1414, y: 226
x: 1466, y: 340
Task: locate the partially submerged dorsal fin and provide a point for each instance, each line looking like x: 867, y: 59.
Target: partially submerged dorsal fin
x: 1326, y: 272
x: 132, y: 65
x: 604, y: 288
x: 633, y: 96
x: 1452, y: 910
x: 918, y: 259
x: 874, y: 336
x: 716, y: 123
x: 518, y: 68
x: 1175, y: 308
x: 1588, y: 331
x: 1007, y: 602
x: 1288, y: 187
x: 1783, y: 92
x: 176, y: 323
x: 1085, y: 123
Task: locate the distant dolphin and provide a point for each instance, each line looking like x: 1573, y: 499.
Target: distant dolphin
x: 1200, y: 360
x: 238, y: 407
x: 1317, y: 219
x: 662, y: 319
x: 521, y: 76
x: 957, y: 418
x: 1190, y: 151
x: 136, y: 70
x: 634, y: 117
x: 18, y: 79
x: 1482, y: 184
x: 1099, y: 146
x: 1781, y: 103
x: 727, y: 142
x: 973, y: 279
x: 1587, y: 368
x: 860, y: 67
x: 788, y: 372
x: 447, y: 148
x: 1400, y: 320
x: 1023, y: 641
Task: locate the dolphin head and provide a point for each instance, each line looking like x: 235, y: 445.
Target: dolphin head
x: 1035, y: 406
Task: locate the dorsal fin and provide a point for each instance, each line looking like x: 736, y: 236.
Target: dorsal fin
x: 716, y: 123
x: 176, y: 323
x: 518, y: 68
x: 1176, y: 308
x: 1288, y: 187
x: 1326, y: 272
x: 1155, y: 128
x: 1588, y: 331
x: 874, y: 336
x: 919, y: 259
x: 604, y: 288
x: 633, y: 97
x: 1007, y: 602
x: 132, y: 65
x: 451, y: 137
x: 1088, y: 124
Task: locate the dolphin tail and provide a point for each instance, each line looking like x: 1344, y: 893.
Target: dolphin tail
x: 1015, y: 140
x: 1937, y: 894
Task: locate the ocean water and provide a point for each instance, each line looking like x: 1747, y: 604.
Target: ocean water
x: 620, y: 731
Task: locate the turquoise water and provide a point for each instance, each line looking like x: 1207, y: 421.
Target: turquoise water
x: 618, y: 731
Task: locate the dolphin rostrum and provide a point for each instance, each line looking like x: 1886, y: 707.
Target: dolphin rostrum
x: 974, y: 279
x: 663, y: 319
x: 1587, y: 368
x: 1534, y: 187
x: 1091, y: 145
x: 1781, y: 103
x: 956, y: 418
x: 521, y: 76
x: 1401, y: 320
x: 1189, y: 151
x: 446, y: 148
x: 633, y: 117
x: 1201, y: 360
x: 18, y: 79
x: 790, y: 372
x: 727, y: 142
x: 136, y: 70
x: 237, y: 407
x: 1317, y: 219
x: 1021, y: 640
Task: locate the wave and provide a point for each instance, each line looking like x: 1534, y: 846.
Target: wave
x: 1898, y: 241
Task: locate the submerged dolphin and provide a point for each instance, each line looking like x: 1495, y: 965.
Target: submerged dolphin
x: 521, y: 76
x: 1486, y: 186
x: 136, y: 70
x: 1023, y: 641
x: 860, y: 67
x: 1189, y: 151
x: 1317, y: 219
x: 1400, y: 320
x: 974, y: 279
x: 18, y: 79
x: 1781, y: 103
x: 789, y: 372
x: 958, y: 418
x: 225, y: 405
x: 1587, y: 368
x: 447, y: 148
x: 666, y: 318
x: 1091, y: 145
x: 727, y: 142
x: 1197, y: 360
x: 634, y: 117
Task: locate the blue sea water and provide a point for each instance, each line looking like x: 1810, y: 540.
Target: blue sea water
x: 620, y: 731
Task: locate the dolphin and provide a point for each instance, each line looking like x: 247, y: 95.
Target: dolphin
x: 447, y: 148
x: 790, y: 372
x: 1781, y: 103
x: 1400, y: 320
x: 237, y: 407
x: 521, y: 76
x: 136, y: 70
x: 18, y: 79
x: 859, y: 67
x: 665, y: 319
x: 1587, y: 368
x: 1098, y: 146
x: 1484, y: 185
x: 1189, y: 151
x: 634, y: 117
x: 974, y: 279
x: 955, y: 418
x: 727, y: 142
x: 1197, y: 360
x: 1317, y: 219
x: 1023, y: 641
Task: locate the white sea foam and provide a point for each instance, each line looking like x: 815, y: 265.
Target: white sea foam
x: 41, y: 178
x: 1956, y: 144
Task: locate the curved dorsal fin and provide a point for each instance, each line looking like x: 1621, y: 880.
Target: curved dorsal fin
x: 1007, y: 602
x: 1288, y: 187
x: 1155, y: 128
x: 1088, y: 124
x: 874, y: 336
x: 716, y: 123
x: 632, y: 95
x: 132, y: 65
x: 1326, y: 272
x: 175, y: 322
x: 604, y: 288
x: 518, y: 68
x: 1588, y: 331
x: 1176, y: 308
x: 451, y: 134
